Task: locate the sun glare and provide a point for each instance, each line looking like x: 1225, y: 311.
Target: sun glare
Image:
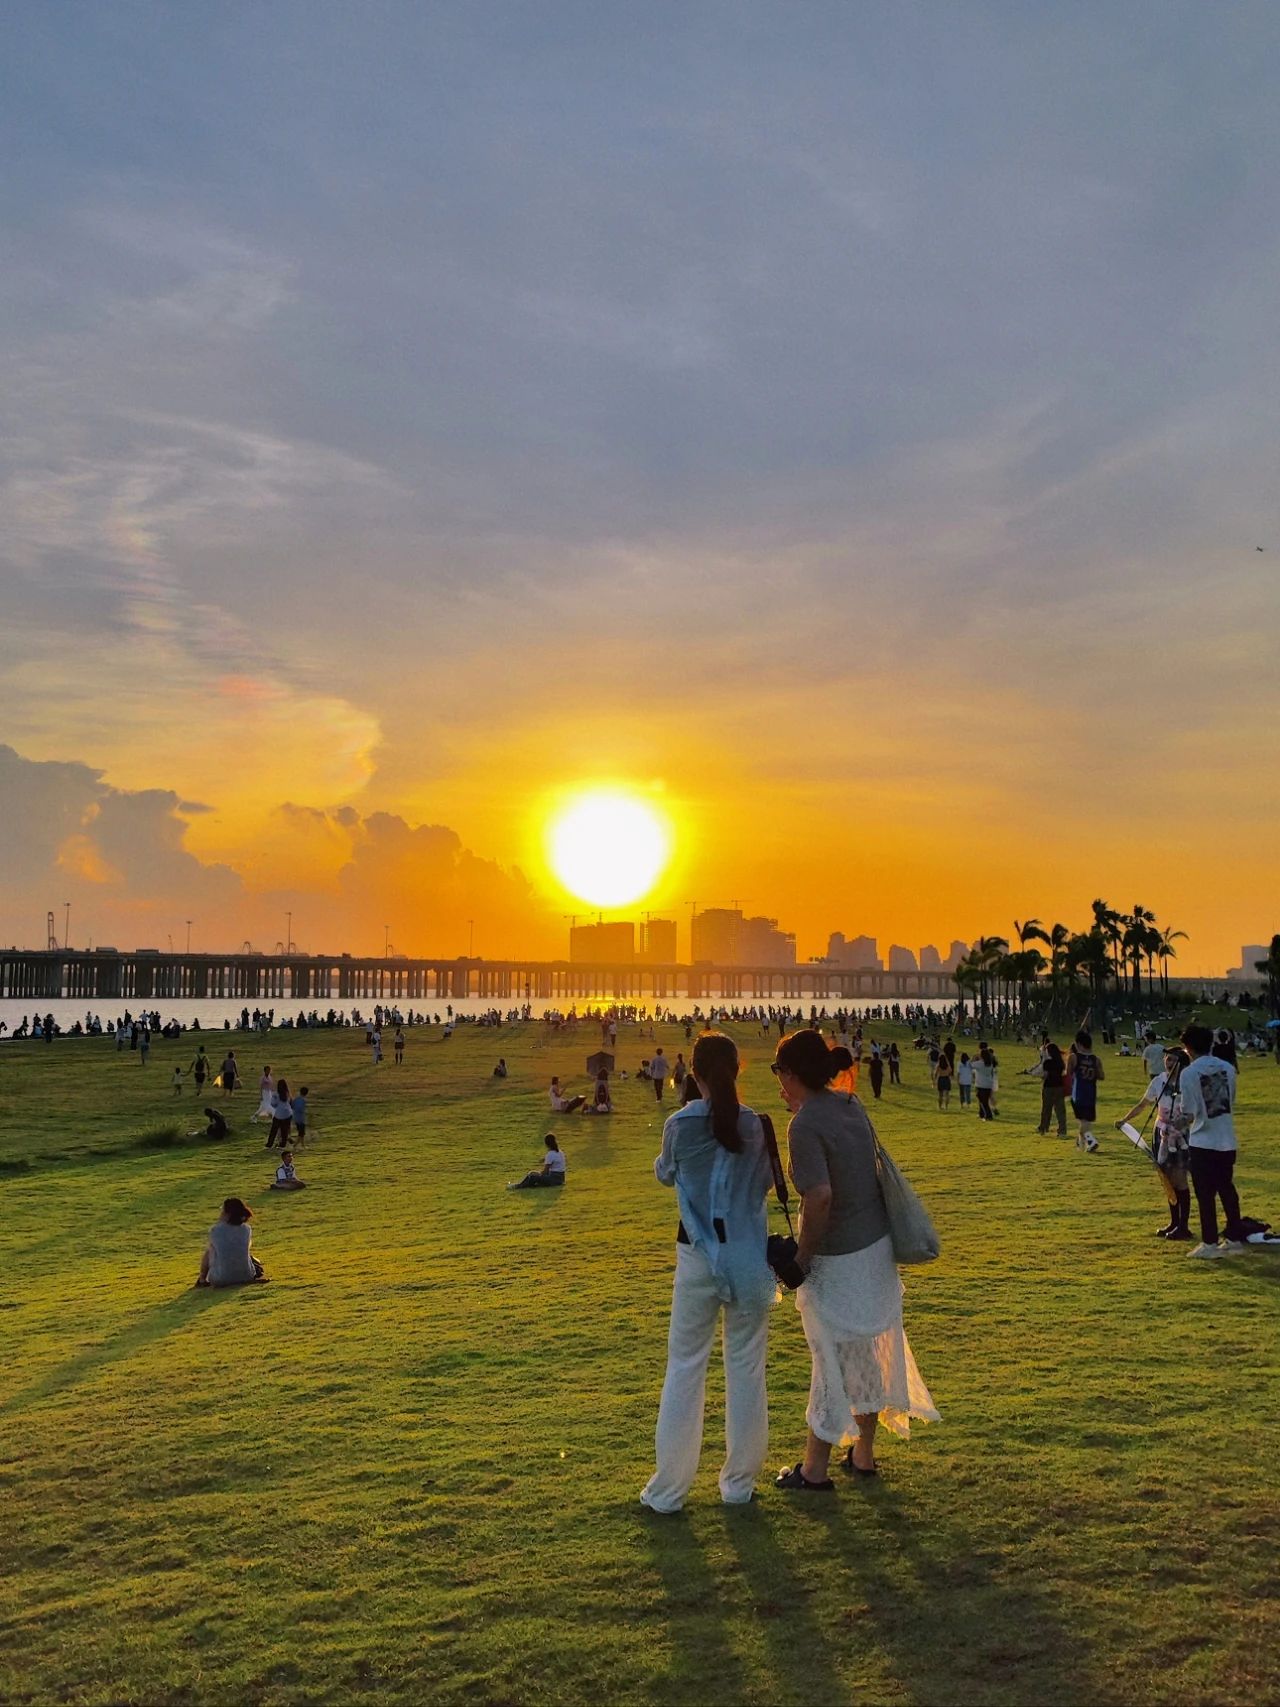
x: 609, y: 848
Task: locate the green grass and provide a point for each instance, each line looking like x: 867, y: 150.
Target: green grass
x: 407, y: 1469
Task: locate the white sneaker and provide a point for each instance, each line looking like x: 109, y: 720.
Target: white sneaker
x: 1231, y: 1247
x: 1209, y: 1252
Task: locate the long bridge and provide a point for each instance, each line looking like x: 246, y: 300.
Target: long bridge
x: 151, y: 975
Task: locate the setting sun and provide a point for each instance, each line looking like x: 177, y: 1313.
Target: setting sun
x: 609, y: 848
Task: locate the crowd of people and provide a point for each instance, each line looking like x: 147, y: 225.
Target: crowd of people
x: 715, y: 1155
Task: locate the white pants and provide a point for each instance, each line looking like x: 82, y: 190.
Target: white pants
x: 695, y: 1310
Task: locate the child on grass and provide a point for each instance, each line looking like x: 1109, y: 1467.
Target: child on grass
x: 286, y: 1178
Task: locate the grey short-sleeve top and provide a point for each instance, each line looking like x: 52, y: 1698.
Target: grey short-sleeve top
x: 832, y: 1142
x: 229, y: 1261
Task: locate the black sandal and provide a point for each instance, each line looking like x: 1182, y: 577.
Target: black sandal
x: 798, y: 1482
x: 856, y: 1469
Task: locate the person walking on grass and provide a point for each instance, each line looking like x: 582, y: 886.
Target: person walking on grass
x: 895, y: 1065
x: 984, y: 1080
x: 266, y: 1096
x: 942, y: 1081
x: 964, y: 1080
x: 144, y: 1045
x: 1085, y: 1073
x: 714, y: 1155
x: 659, y: 1072
x: 1207, y: 1093
x: 1168, y: 1142
x: 851, y: 1300
x: 876, y: 1070
x: 229, y: 1073
x: 398, y: 1040
x: 1053, y: 1090
x: 281, y: 1116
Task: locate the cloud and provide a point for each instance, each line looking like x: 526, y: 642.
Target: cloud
x: 123, y: 859
x: 118, y: 856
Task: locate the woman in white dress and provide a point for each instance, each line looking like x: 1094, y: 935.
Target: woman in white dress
x: 266, y: 1097
x: 713, y: 1153
x: 851, y: 1300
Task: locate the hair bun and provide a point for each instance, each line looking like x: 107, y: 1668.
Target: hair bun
x: 840, y: 1060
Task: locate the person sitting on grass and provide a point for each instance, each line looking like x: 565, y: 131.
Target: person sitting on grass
x: 602, y: 1100
x: 552, y: 1170
x: 560, y: 1103
x: 286, y: 1179
x: 500, y: 1071
x: 227, y: 1259
x: 217, y: 1127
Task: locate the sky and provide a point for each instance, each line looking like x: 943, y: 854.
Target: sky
x: 850, y: 428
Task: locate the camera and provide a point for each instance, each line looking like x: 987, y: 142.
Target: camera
x: 780, y: 1254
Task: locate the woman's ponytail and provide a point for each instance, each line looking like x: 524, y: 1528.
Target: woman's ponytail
x: 715, y: 1064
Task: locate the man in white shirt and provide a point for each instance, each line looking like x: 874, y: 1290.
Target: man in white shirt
x: 1152, y: 1055
x: 1207, y: 1094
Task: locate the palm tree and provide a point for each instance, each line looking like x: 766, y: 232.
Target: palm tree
x: 1026, y: 966
x: 1270, y: 970
x: 966, y: 977
x: 1108, y: 921
x: 1058, y: 938
x: 1167, y: 952
x: 1090, y: 952
x: 985, y: 955
x: 1138, y: 923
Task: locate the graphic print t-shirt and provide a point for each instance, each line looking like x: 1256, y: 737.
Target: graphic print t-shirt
x: 1207, y: 1091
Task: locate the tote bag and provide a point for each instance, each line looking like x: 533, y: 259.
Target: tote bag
x: 915, y: 1239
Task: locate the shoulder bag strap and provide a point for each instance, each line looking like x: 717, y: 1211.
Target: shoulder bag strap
x: 775, y: 1164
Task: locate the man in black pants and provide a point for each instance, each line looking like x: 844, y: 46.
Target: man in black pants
x: 1207, y: 1093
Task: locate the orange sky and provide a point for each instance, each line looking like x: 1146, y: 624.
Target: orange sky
x: 883, y: 482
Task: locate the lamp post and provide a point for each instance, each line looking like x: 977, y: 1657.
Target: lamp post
x: 288, y: 933
x: 386, y: 941
x: 188, y: 936
x: 66, y: 924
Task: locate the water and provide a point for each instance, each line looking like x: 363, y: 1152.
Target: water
x: 213, y: 1014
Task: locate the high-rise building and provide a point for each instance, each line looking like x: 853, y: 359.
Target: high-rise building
x: 658, y: 942
x: 902, y: 959
x: 930, y: 959
x: 958, y: 951
x: 714, y: 936
x: 1249, y: 955
x: 761, y: 943
x: 855, y: 953
x: 603, y: 944
x: 722, y: 937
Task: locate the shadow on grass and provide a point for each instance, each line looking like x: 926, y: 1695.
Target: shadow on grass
x: 142, y: 1332
x: 539, y: 1197
x: 701, y: 1647
x: 948, y: 1621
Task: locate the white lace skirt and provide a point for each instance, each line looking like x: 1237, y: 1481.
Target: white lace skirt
x: 851, y: 1307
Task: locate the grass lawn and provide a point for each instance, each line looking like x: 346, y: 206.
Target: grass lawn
x: 407, y: 1469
